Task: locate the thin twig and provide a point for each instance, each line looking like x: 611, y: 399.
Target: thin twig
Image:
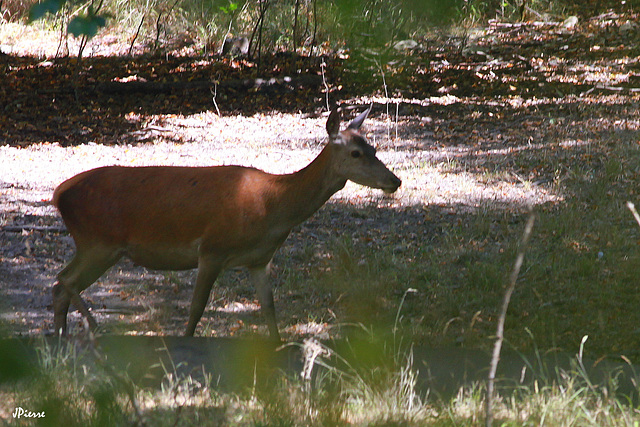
x: 397, y: 111
x: 503, y: 314
x: 294, y: 42
x: 633, y: 210
x: 315, y: 24
x: 158, y: 24
x: 386, y: 95
x: 83, y: 43
x: 323, y: 65
x: 135, y: 37
x: 231, y: 22
x: 64, y: 37
x: 214, y: 92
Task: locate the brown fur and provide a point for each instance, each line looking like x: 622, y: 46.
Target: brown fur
x: 210, y: 218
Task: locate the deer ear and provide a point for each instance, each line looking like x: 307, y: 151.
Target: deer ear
x: 333, y: 123
x: 357, y: 122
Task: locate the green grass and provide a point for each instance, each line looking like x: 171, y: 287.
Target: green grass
x: 365, y: 381
x: 579, y: 276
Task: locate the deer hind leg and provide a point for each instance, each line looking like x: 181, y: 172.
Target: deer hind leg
x: 260, y: 279
x: 208, y: 269
x: 85, y: 268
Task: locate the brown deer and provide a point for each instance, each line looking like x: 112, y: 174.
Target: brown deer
x: 209, y: 218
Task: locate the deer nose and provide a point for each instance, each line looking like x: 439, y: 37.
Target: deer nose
x: 395, y: 184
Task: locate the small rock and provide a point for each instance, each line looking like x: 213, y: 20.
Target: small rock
x: 405, y: 45
x: 570, y: 22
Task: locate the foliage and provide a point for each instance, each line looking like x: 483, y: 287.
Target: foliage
x: 536, y: 108
x: 39, y: 10
x: 362, y: 381
x: 85, y: 24
x: 361, y: 24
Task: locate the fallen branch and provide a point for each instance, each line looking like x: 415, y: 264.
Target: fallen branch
x: 309, y: 80
x: 21, y: 228
x: 612, y: 89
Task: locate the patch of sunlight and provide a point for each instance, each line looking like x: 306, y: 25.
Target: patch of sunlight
x: 239, y: 307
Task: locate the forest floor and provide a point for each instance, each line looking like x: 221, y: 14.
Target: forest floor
x: 537, y: 114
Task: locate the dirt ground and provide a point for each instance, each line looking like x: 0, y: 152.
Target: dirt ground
x: 157, y: 302
x: 470, y: 129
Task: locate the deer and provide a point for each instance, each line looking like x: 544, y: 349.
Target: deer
x: 211, y: 218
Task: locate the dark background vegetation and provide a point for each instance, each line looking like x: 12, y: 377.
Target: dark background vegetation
x: 558, y: 97
x: 484, y: 108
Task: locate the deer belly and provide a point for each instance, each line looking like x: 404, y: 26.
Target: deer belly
x: 257, y: 254
x: 164, y: 258
x: 251, y: 258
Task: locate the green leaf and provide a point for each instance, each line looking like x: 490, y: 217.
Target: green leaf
x: 86, y: 25
x: 229, y: 9
x: 38, y: 10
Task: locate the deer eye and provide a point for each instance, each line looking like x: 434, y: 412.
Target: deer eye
x: 355, y: 154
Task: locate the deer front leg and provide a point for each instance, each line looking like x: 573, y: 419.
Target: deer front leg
x: 260, y: 279
x: 208, y: 270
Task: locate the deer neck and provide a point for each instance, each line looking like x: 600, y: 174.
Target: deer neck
x: 305, y: 191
